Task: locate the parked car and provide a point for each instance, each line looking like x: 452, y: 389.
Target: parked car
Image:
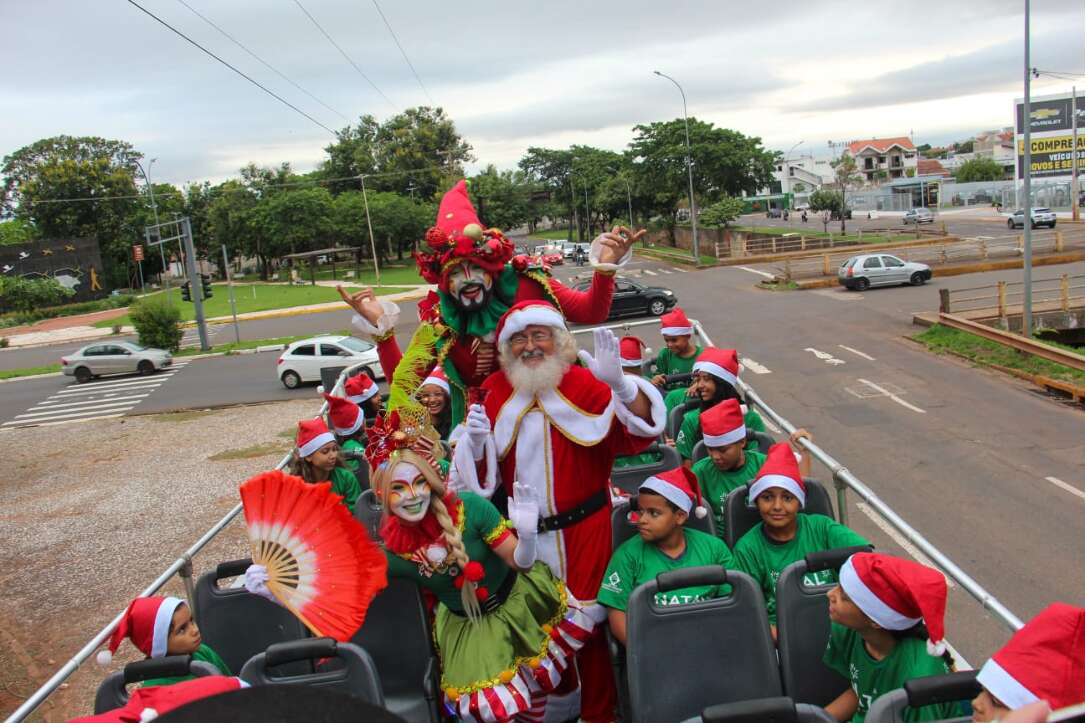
x: 918, y: 216
x: 303, y: 360
x: 862, y: 272
x: 115, y: 357
x: 774, y: 213
x: 1040, y: 217
x: 634, y: 299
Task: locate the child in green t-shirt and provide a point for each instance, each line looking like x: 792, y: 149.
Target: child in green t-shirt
x: 715, y: 374
x: 161, y: 626
x: 316, y: 459
x: 887, y: 628
x: 680, y: 353
x: 631, y: 354
x: 728, y: 465
x: 348, y: 421
x: 665, y: 502
x: 784, y: 536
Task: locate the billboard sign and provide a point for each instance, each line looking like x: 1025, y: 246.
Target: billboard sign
x: 1051, y: 115
x: 1051, y: 155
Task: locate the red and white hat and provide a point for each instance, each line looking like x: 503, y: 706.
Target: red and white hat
x: 346, y: 416
x: 723, y: 424
x: 779, y: 470
x: 528, y: 313
x: 1045, y: 660
x: 675, y: 323
x: 146, y: 623
x: 146, y: 704
x: 678, y: 486
x: 438, y: 379
x: 897, y: 594
x: 312, y: 435
x: 632, y: 350
x: 360, y: 388
x: 720, y: 363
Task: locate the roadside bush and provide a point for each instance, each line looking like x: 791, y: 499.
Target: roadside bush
x: 3, y: 342
x: 157, y: 322
x: 80, y: 307
x: 19, y: 294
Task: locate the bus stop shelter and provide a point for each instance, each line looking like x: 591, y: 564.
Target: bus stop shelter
x: 332, y: 254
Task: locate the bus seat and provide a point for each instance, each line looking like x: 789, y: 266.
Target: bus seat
x: 766, y: 710
x: 113, y: 691
x: 740, y: 518
x: 951, y: 688
x: 621, y: 528
x: 349, y: 668
x: 628, y: 479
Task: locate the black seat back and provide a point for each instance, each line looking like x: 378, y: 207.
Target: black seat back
x: 802, y: 628
x: 674, y: 417
x: 237, y: 624
x: 764, y: 440
x: 628, y: 479
x: 368, y: 511
x: 918, y: 692
x: 710, y: 634
x: 397, y: 636
x: 740, y: 517
x: 766, y: 710
x: 113, y: 691
x: 622, y: 528
x: 343, y: 666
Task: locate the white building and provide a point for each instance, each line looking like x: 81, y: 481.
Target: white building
x: 800, y: 174
x: 884, y: 159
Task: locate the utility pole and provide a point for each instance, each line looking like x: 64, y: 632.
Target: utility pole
x: 689, y: 167
x: 154, y: 210
x: 194, y: 282
x: 1026, y: 223
x: 230, y: 286
x: 372, y: 242
x: 1075, y: 187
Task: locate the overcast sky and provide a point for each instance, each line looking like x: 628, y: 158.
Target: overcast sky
x: 514, y: 74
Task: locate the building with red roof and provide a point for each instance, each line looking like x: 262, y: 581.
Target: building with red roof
x: 880, y: 159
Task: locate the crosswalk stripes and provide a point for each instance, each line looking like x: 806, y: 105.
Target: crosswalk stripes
x: 664, y: 271
x: 105, y: 399
x: 649, y: 272
x: 191, y: 337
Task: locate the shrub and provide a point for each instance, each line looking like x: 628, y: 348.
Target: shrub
x: 157, y: 322
x: 21, y: 294
x: 3, y: 342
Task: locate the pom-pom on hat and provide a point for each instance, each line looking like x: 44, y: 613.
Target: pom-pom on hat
x: 146, y: 623
x: 360, y: 388
x: 675, y: 323
x: 720, y: 363
x: 346, y: 416
x: 437, y: 378
x: 897, y: 594
x: 723, y: 424
x: 1045, y: 660
x: 528, y: 313
x: 678, y: 486
x: 779, y: 470
x: 632, y: 350
x: 312, y: 435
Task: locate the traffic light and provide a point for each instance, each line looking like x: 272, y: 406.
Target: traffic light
x: 186, y: 292
x: 205, y: 285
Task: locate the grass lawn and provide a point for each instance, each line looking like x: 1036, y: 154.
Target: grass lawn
x: 942, y: 339
x: 29, y: 371
x: 404, y: 275
x: 554, y: 234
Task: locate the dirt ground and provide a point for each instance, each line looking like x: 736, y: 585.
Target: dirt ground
x: 90, y: 514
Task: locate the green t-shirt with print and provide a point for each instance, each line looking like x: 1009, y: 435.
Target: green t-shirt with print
x: 352, y: 445
x: 870, y: 678
x: 689, y: 434
x: 204, y: 654
x: 633, y: 460
x: 764, y: 560
x: 667, y: 362
x: 716, y: 484
x: 636, y: 562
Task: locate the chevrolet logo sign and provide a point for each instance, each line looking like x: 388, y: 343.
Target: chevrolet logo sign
x: 1044, y: 113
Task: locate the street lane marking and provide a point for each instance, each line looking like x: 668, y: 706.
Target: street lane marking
x: 650, y: 272
x: 825, y: 356
x: 755, y: 271
x: 664, y: 271
x: 95, y: 389
x: 898, y: 538
x: 52, y: 405
x: 60, y: 413
x: 1068, y: 487
x: 753, y: 366
x: 681, y: 270
x: 886, y: 393
x: 116, y: 384
x: 857, y: 352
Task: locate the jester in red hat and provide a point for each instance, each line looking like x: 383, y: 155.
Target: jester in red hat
x: 478, y: 279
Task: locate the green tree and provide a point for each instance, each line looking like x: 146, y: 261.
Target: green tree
x: 19, y: 294
x: 979, y: 169
x: 964, y: 146
x: 298, y: 219
x: 847, y: 176
x: 503, y: 199
x: 398, y: 222
x: 16, y: 231
x: 722, y: 212
x: 826, y: 200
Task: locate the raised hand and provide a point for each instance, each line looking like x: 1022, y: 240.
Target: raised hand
x: 364, y: 303
x: 606, y: 365
x: 615, y: 245
x: 524, y: 510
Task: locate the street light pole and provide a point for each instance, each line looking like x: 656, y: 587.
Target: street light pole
x: 628, y: 192
x: 369, y: 223
x: 154, y: 209
x: 689, y: 167
x: 1075, y: 187
x: 1026, y: 223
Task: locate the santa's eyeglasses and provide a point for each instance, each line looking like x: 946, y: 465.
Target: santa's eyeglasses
x: 536, y: 337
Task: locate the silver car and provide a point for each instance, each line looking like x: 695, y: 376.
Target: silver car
x: 114, y: 357
x: 918, y: 216
x: 862, y: 272
x: 1040, y: 217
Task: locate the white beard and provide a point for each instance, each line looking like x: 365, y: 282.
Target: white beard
x: 545, y: 375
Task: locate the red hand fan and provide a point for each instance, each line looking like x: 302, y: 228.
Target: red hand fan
x: 320, y: 562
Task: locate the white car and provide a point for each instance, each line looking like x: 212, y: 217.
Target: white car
x: 302, y: 361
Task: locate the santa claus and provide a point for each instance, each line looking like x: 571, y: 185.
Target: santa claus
x: 557, y: 427
x: 477, y: 280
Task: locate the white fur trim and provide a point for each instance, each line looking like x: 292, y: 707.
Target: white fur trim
x: 632, y: 362
x: 160, y: 636
x: 358, y: 422
x: 597, y: 248
x: 104, y: 657
x: 315, y: 443
x: 534, y: 315
x: 365, y: 396
x: 437, y: 382
x: 676, y: 331
x: 570, y: 421
x: 999, y: 683
x: 385, y: 324
x: 715, y: 370
x: 635, y: 424
x: 777, y: 480
x: 669, y: 492
x: 147, y: 715
x: 871, y: 605
x: 719, y: 440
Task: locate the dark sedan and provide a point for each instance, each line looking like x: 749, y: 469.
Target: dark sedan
x: 633, y: 299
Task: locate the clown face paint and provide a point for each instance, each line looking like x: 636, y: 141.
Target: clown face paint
x: 470, y: 285
x: 408, y: 494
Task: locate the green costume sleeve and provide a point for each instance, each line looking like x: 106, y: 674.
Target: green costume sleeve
x: 344, y: 483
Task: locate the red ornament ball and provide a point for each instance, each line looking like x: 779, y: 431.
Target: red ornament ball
x: 474, y: 571
x: 482, y: 592
x: 436, y: 237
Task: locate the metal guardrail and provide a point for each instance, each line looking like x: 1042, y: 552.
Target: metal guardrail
x: 1060, y: 292
x: 843, y: 480
x: 801, y: 240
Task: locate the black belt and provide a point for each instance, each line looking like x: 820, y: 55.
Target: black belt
x: 579, y: 513
x: 496, y: 599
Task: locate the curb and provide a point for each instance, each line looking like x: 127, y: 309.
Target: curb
x: 32, y: 376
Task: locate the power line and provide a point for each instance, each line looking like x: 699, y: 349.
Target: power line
x: 246, y: 77
x: 344, y: 54
x: 266, y: 64
x: 403, y: 52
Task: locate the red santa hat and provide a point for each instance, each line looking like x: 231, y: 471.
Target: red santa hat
x: 437, y: 378
x: 528, y: 313
x: 1045, y: 660
x: 312, y: 435
x: 720, y: 363
x: 779, y: 470
x: 678, y: 486
x: 146, y: 623
x: 360, y: 388
x: 346, y: 416
x: 897, y: 594
x: 146, y: 704
x: 675, y: 323
x: 631, y: 349
x: 723, y: 424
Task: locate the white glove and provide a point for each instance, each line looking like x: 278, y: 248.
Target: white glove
x: 477, y: 428
x: 606, y: 366
x: 524, y: 516
x: 256, y: 582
